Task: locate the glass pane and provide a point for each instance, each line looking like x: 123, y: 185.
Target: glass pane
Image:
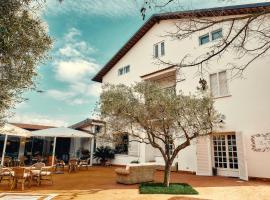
x: 223, y: 88
x: 216, y: 34
x: 162, y: 46
x: 120, y: 71
x: 127, y: 69
x: 156, y: 51
x: 214, y: 85
x: 204, y: 39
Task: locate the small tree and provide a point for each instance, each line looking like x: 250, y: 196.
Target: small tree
x: 103, y: 154
x: 159, y: 117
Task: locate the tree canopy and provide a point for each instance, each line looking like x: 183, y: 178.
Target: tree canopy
x: 24, y: 43
x: 167, y: 120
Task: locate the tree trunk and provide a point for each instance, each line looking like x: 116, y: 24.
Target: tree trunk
x: 167, y: 174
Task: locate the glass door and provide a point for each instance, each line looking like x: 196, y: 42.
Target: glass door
x: 225, y: 155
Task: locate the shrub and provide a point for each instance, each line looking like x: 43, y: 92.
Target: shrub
x: 103, y: 154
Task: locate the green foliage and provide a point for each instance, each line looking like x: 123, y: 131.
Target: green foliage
x: 24, y: 43
x: 164, y: 118
x: 103, y: 154
x: 134, y: 162
x: 159, y: 188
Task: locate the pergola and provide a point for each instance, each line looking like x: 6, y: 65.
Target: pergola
x: 63, y: 132
x: 11, y: 130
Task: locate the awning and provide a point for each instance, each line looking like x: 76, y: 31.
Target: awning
x: 11, y: 130
x: 61, y: 132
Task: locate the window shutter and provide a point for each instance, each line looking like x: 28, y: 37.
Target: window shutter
x: 204, y: 157
x: 242, y: 164
x: 133, y: 148
x: 162, y: 46
x: 214, y: 85
x: 223, y: 86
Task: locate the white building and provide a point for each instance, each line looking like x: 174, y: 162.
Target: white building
x: 244, y: 143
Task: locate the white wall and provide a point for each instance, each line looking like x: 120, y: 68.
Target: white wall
x: 246, y: 110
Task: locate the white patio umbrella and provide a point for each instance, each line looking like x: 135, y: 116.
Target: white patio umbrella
x: 11, y: 130
x: 63, y: 132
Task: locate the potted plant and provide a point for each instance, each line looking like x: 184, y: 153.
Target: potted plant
x: 85, y: 154
x: 104, y: 154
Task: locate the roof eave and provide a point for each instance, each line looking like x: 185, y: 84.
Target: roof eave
x: 208, y: 12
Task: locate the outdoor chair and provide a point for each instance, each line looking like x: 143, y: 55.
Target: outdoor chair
x: 46, y: 175
x: 72, y: 165
x: 84, y: 163
x: 6, y: 175
x: 7, y: 161
x: 22, y: 160
x: 21, y: 175
x: 59, y: 166
x: 135, y: 173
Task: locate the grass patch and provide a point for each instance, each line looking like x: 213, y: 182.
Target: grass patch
x: 159, y: 188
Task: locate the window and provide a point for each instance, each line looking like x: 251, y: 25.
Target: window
x: 97, y: 129
x: 218, y: 84
x: 121, y: 144
x: 156, y: 51
x: 225, y: 151
x: 162, y: 47
x: 204, y: 39
x: 120, y: 71
x: 123, y: 70
x: 216, y: 34
x: 159, y: 49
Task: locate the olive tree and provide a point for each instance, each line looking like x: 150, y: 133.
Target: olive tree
x: 162, y: 118
x: 24, y: 43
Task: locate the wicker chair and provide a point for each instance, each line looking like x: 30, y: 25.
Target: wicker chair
x: 6, y: 175
x: 84, y: 164
x: 72, y: 165
x: 22, y: 160
x: 7, y: 161
x: 46, y: 175
x: 21, y: 175
x: 137, y: 173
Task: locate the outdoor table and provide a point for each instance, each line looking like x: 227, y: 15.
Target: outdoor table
x: 32, y: 172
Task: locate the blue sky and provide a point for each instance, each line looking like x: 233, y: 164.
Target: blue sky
x: 86, y: 35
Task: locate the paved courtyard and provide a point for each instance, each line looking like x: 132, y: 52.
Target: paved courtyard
x: 99, y: 183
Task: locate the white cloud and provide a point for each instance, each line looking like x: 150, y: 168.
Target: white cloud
x: 60, y: 95
x: 74, y: 70
x: 74, y: 66
x: 37, y: 119
x: 111, y: 8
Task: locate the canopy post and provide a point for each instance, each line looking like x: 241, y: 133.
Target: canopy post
x: 92, y: 151
x: 4, y: 150
x: 53, y: 154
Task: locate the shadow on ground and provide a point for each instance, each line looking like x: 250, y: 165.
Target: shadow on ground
x: 103, y: 178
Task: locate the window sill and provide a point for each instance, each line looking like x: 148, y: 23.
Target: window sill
x: 221, y: 97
